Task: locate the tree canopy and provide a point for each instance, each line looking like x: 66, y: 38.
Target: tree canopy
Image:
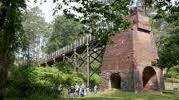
x: 167, y: 28
x: 99, y: 18
x: 36, y: 32
x: 64, y: 32
x: 169, y: 45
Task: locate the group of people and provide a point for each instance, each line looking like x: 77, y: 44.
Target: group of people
x: 79, y: 90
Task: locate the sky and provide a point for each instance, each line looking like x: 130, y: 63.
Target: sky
x: 47, y: 8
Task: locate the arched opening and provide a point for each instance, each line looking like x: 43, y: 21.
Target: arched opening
x: 115, y: 81
x: 149, y: 79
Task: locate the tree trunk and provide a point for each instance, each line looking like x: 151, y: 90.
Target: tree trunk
x: 3, y: 78
x: 6, y: 60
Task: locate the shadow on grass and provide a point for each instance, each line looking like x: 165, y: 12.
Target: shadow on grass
x: 109, y: 95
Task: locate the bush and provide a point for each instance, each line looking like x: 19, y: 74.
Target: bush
x: 95, y: 79
x: 64, y: 67
x: 173, y: 72
x: 74, y: 78
x: 29, y: 80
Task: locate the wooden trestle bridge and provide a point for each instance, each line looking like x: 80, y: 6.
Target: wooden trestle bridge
x: 84, y: 55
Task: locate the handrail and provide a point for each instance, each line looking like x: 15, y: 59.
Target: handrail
x: 66, y: 49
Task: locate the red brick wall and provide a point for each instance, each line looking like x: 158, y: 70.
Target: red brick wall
x: 129, y: 54
x: 144, y: 49
x: 118, y: 55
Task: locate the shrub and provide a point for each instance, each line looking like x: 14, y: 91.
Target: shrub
x: 62, y: 66
x: 95, y: 79
x: 173, y: 72
x: 74, y: 78
x: 29, y: 80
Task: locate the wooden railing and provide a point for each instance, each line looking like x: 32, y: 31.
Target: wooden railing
x: 78, y: 43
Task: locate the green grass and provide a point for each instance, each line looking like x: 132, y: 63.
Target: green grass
x: 110, y: 95
x: 40, y: 97
x: 118, y: 95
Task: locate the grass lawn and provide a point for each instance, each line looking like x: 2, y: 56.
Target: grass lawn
x: 118, y: 95
x: 110, y: 95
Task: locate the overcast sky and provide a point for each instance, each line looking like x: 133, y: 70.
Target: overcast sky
x: 47, y: 8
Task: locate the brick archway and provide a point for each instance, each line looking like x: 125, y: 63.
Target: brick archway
x: 149, y: 78
x: 115, y: 80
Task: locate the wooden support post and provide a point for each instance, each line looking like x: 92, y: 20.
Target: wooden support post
x: 46, y: 64
x: 88, y: 63
x: 54, y: 61
x: 63, y: 57
x: 75, y: 60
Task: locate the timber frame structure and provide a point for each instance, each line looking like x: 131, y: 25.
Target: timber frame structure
x: 84, y: 55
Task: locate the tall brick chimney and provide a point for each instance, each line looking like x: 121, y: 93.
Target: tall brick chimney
x: 127, y: 62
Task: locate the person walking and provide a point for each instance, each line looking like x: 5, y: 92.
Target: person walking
x: 77, y: 89
x: 82, y: 90
x: 95, y: 89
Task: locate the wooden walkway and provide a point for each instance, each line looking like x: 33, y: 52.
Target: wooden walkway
x: 85, y: 40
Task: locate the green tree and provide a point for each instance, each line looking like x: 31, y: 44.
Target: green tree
x: 166, y: 27
x: 167, y: 10
x: 103, y: 18
x: 169, y: 50
x: 65, y: 31
x: 99, y: 18
x: 10, y: 33
x: 36, y: 33
x: 167, y: 36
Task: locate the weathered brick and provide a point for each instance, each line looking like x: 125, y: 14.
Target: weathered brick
x: 130, y: 54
